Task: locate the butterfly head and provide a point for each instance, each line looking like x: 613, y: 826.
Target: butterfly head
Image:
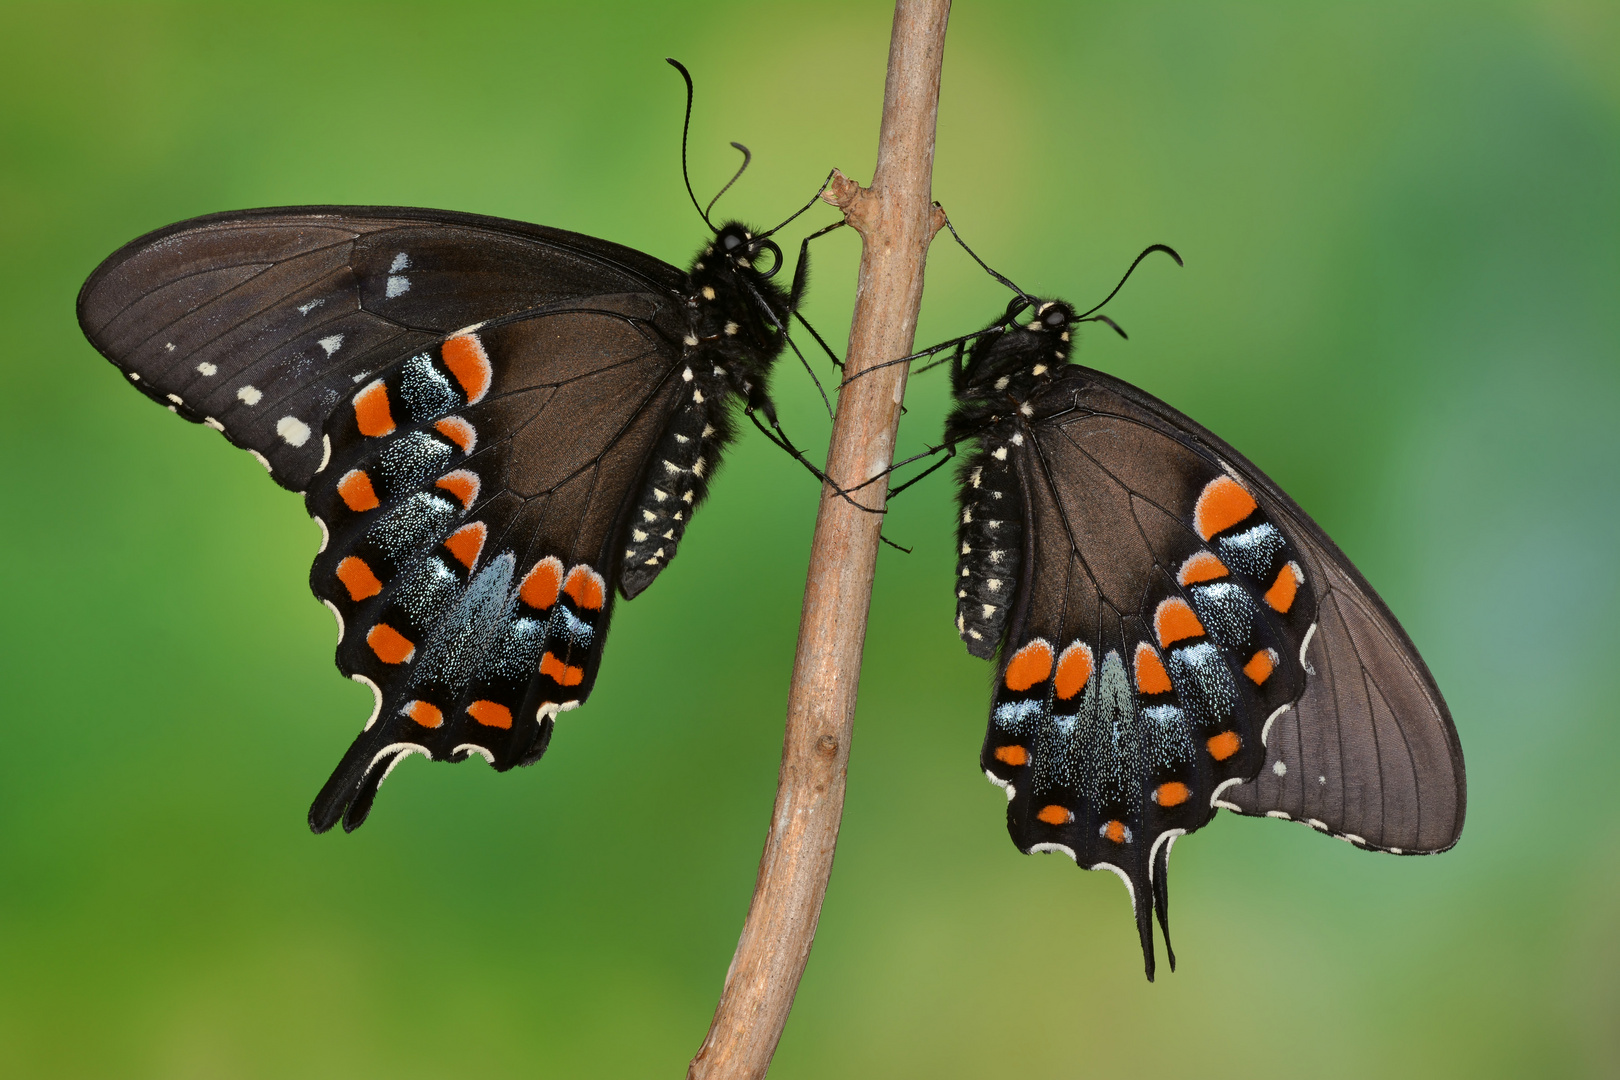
x: 740, y: 249
x: 1051, y: 317
x: 1019, y: 360
x: 730, y: 295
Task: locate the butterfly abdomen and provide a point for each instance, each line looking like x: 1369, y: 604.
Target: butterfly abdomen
x: 989, y: 542
x: 679, y: 472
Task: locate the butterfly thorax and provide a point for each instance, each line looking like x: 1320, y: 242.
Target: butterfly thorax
x: 1006, y: 376
x: 734, y: 311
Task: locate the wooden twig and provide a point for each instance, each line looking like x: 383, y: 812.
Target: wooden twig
x: 896, y: 220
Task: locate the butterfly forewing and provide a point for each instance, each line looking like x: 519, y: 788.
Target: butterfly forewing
x: 1366, y: 752
x: 257, y: 323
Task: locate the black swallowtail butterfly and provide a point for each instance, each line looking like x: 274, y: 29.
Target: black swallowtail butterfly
x: 1175, y: 635
x: 496, y: 425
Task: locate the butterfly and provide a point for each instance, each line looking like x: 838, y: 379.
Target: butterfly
x: 497, y: 426
x: 1172, y: 634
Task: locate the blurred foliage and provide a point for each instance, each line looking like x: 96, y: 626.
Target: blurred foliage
x: 1401, y: 224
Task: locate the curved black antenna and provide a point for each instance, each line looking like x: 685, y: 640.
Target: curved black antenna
x: 1105, y: 319
x: 747, y: 157
x: 1166, y: 248
x: 1022, y: 294
x: 685, y: 127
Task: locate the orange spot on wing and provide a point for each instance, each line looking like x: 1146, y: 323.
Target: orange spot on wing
x: 358, y: 578
x: 1222, y: 504
x: 490, y: 714
x: 1073, y: 670
x: 371, y: 410
x: 1260, y: 666
x: 459, y: 432
x: 561, y: 672
x: 429, y: 716
x: 1172, y: 794
x: 1115, y: 831
x: 356, y: 491
x: 1011, y: 755
x: 1224, y: 745
x: 1055, y: 815
x: 1281, y: 594
x: 462, y: 484
x: 1201, y: 567
x: 466, y: 543
x: 1151, y: 678
x: 542, y: 584
x: 584, y: 587
x: 1030, y: 665
x: 1174, y: 621
x: 391, y: 646
x: 467, y: 361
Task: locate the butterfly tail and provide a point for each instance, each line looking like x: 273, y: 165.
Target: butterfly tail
x: 339, y: 792
x: 1144, y: 927
x: 1161, y: 898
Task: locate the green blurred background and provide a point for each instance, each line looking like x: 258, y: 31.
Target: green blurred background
x: 1402, y: 298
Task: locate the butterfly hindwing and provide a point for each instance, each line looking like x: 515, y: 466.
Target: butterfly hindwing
x: 1143, y: 657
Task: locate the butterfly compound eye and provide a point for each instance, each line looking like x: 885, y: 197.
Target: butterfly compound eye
x: 731, y: 242
x: 1055, y: 317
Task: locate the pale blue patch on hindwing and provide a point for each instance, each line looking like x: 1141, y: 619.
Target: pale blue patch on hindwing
x: 426, y: 391
x: 413, y: 523
x: 1014, y: 714
x: 413, y: 458
x: 1252, y: 551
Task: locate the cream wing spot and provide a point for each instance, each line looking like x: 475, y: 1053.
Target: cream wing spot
x: 293, y: 431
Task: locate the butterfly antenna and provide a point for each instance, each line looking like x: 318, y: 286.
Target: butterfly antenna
x: 1167, y: 249
x: 986, y: 266
x: 686, y: 126
x: 747, y: 157
x: 1105, y: 319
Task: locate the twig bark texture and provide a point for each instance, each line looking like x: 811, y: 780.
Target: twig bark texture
x: 896, y: 220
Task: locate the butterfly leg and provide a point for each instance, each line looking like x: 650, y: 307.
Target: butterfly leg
x: 801, y: 279
x: 950, y: 452
x: 779, y: 437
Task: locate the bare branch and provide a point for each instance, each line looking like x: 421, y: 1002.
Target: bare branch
x: 896, y: 220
